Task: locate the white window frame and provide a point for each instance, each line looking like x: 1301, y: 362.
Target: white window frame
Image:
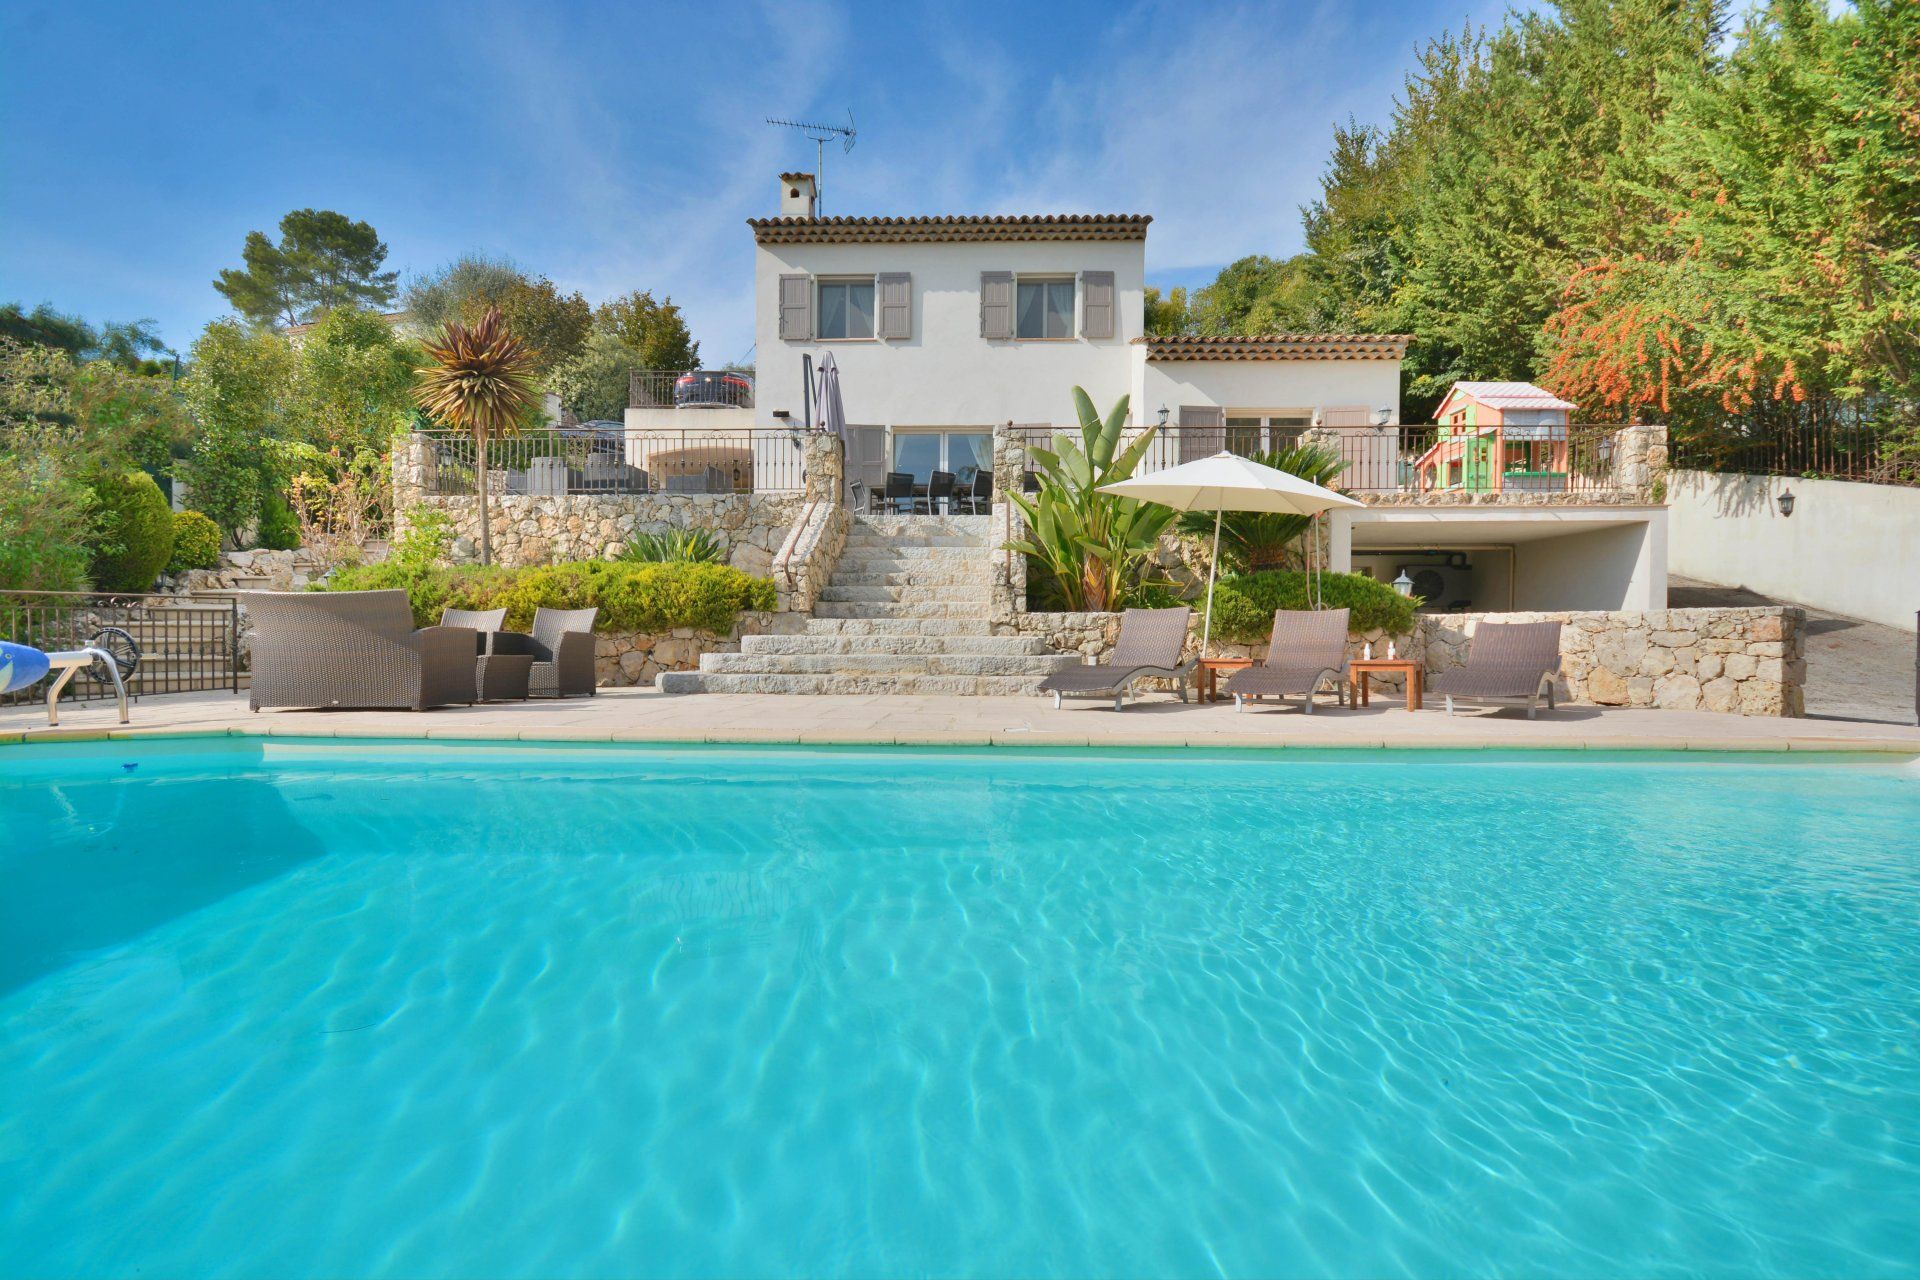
x: 1044, y: 278
x: 820, y: 312
x: 1268, y: 422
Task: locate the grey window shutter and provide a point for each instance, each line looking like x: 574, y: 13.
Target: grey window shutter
x: 796, y: 308
x: 1096, y: 309
x: 1203, y: 431
x: 996, y: 304
x: 896, y: 304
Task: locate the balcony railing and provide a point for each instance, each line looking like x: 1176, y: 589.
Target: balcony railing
x: 690, y: 389
x: 1411, y: 460
x: 588, y: 460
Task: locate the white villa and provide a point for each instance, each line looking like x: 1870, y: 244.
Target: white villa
x: 945, y: 327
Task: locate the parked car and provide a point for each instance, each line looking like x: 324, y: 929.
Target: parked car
x: 712, y: 388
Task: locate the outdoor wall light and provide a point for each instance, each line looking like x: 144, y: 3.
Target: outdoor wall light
x: 1403, y: 584
x: 1785, y: 502
x: 1382, y: 417
x: 1163, y: 415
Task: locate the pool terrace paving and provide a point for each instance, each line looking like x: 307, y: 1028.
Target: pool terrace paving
x: 643, y: 715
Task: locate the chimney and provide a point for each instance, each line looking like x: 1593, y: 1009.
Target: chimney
x: 797, y: 195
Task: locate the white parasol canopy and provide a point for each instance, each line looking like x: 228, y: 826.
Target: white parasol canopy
x: 1228, y: 482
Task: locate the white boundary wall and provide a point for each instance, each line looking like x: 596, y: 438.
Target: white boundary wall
x: 1849, y: 548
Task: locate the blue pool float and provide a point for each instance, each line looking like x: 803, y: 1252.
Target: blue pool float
x: 20, y: 666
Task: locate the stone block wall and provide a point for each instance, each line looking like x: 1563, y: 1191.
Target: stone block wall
x: 1743, y: 661
x: 624, y: 659
x: 1751, y: 662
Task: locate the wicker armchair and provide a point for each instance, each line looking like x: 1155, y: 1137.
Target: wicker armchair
x: 353, y: 649
x: 482, y: 622
x: 562, y: 649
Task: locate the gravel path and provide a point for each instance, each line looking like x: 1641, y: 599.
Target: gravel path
x: 1855, y: 670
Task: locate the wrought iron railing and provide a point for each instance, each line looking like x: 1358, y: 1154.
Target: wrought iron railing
x: 692, y: 389
x: 1407, y: 460
x: 187, y: 644
x: 586, y: 461
x: 1812, y: 442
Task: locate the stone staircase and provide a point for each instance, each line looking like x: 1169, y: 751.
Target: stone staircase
x: 905, y: 612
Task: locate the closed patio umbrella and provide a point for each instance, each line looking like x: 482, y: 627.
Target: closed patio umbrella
x: 833, y: 413
x: 1228, y: 482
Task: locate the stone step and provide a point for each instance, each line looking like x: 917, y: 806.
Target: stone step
x: 904, y: 554
x: 914, y: 609
x: 971, y: 592
x: 967, y: 626
x: 677, y: 682
x: 909, y: 526
x: 967, y: 576
x: 857, y: 542
x: 979, y: 645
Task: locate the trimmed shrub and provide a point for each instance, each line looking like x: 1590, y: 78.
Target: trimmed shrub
x: 1243, y: 604
x: 630, y: 597
x: 132, y: 532
x: 196, y: 542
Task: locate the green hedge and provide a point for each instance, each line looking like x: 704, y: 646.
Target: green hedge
x: 132, y: 534
x: 1243, y: 604
x: 630, y: 597
x: 196, y: 542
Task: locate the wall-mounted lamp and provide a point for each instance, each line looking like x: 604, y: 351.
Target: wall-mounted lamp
x: 1382, y: 417
x: 1403, y: 584
x: 1163, y: 415
x: 1785, y: 502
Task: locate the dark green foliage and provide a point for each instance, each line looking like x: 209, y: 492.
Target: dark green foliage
x: 279, y: 528
x: 196, y: 543
x: 630, y: 597
x: 1251, y: 541
x: 675, y: 546
x: 1244, y: 604
x: 324, y: 260
x: 133, y: 531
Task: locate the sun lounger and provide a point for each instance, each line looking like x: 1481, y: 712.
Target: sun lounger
x: 1307, y: 651
x: 1507, y: 661
x: 1149, y: 645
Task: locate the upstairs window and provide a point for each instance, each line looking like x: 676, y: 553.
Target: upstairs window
x: 846, y: 308
x: 1044, y: 309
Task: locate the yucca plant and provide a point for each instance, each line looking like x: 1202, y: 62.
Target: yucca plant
x: 1256, y: 541
x: 1095, y: 545
x: 481, y: 381
x: 675, y: 546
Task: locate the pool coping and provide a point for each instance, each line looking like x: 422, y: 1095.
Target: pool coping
x: 1879, y: 748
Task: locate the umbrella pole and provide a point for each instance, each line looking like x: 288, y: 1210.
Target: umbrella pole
x: 1206, y: 631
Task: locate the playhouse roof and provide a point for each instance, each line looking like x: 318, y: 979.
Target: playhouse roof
x: 1508, y: 395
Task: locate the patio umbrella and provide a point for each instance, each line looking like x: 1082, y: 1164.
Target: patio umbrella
x: 1228, y: 482
x: 833, y: 414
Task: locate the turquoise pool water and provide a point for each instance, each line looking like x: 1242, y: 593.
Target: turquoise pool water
x: 405, y: 1010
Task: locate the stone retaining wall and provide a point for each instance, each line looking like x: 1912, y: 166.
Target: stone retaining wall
x: 1743, y: 661
x: 623, y: 659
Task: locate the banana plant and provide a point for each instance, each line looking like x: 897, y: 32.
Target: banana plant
x: 1096, y: 546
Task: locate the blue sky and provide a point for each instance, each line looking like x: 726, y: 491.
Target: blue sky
x: 621, y: 146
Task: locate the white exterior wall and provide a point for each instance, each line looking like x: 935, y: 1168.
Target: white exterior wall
x: 1264, y: 384
x: 946, y: 374
x: 1850, y: 548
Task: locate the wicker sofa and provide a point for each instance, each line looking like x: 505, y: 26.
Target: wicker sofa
x: 353, y: 649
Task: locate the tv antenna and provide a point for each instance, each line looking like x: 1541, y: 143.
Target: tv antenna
x: 821, y: 134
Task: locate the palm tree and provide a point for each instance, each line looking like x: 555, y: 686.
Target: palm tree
x: 1251, y: 541
x: 481, y: 380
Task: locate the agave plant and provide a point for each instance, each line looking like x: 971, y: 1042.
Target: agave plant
x: 481, y: 380
x: 1252, y: 541
x: 678, y: 546
x: 1094, y: 545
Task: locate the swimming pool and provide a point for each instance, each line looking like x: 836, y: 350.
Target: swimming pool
x: 380, y: 1008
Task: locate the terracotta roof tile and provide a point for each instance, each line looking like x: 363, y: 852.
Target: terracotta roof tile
x: 1062, y: 226
x: 1280, y: 346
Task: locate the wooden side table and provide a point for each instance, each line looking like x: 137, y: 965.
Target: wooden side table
x: 1207, y: 675
x: 1360, y: 669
